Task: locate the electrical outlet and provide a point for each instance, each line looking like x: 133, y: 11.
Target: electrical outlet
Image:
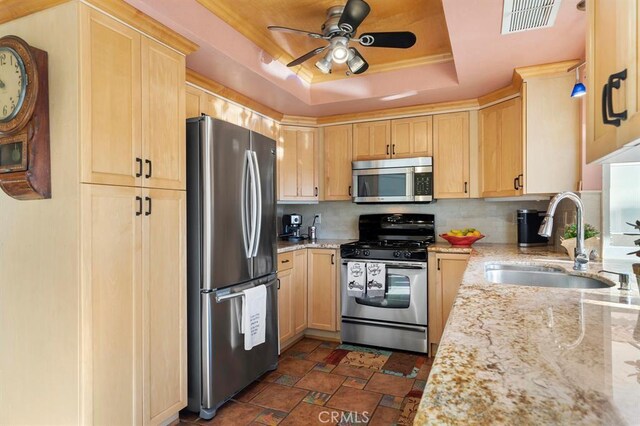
x: 318, y: 219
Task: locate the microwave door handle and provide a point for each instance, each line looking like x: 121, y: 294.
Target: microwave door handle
x: 258, y: 217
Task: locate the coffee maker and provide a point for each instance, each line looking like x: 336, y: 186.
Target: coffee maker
x: 291, y: 225
x: 528, y: 225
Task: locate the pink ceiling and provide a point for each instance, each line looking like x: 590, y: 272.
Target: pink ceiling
x: 483, y: 59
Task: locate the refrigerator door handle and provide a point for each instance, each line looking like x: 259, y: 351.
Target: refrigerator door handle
x: 258, y: 218
x: 207, y: 226
x: 254, y: 204
x: 243, y: 205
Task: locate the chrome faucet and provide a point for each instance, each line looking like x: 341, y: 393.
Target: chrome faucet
x: 581, y: 258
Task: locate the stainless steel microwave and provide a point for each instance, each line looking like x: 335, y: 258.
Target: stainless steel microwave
x: 406, y: 180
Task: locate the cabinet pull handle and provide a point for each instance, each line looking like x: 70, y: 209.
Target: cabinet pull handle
x: 520, y: 178
x: 466, y: 185
x: 438, y: 264
x: 285, y: 261
x: 148, y: 212
x: 394, y: 149
x: 350, y: 191
x: 387, y: 149
x: 149, y: 173
x: 316, y: 191
x: 515, y: 183
x: 333, y: 258
x: 139, y: 211
x: 278, y: 279
x: 614, y: 83
x: 139, y: 164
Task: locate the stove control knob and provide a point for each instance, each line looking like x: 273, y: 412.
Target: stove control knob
x: 366, y: 252
x: 356, y: 252
x: 396, y: 254
x: 407, y: 254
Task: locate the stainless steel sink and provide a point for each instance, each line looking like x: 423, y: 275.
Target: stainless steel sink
x: 540, y: 276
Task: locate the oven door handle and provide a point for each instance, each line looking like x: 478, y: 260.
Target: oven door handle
x: 393, y: 265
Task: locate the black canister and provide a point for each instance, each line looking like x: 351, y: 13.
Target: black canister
x: 528, y: 225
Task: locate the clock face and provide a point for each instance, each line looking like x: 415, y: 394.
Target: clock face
x: 13, y: 83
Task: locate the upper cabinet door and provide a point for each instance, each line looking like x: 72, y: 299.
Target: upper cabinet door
x: 338, y: 148
x: 307, y: 164
x: 110, y: 106
x: 164, y: 257
x: 412, y: 137
x: 288, y: 164
x: 372, y: 140
x: 451, y: 155
x: 501, y: 149
x: 163, y: 116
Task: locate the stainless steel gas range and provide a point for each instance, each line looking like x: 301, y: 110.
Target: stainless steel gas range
x: 399, y: 319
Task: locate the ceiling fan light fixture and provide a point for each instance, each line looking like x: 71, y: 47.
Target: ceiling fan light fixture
x: 325, y: 63
x: 355, y: 62
x: 340, y: 52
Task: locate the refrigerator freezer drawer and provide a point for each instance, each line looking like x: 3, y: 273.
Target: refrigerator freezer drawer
x: 227, y: 367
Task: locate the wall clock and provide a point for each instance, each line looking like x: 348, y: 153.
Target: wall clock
x: 25, y: 166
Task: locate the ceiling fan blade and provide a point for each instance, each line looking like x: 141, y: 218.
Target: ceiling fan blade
x: 362, y: 66
x: 354, y: 13
x: 307, y: 56
x: 294, y: 31
x: 399, y: 39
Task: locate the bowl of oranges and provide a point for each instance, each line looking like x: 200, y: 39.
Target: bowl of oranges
x: 462, y: 237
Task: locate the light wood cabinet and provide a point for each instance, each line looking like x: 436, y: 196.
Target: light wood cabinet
x: 134, y: 260
x: 613, y: 76
x: 111, y: 304
x: 164, y: 304
x: 372, y: 140
x: 299, y: 291
x: 445, y: 276
x: 292, y: 295
x: 322, y: 288
x: 338, y: 154
x: 285, y: 317
x: 133, y: 111
x: 412, y: 137
x: 500, y: 130
x: 552, y: 131
x: 163, y: 116
x: 451, y: 155
x: 298, y: 164
x: 133, y: 225
x: 111, y: 91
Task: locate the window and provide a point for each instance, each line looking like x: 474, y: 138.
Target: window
x: 621, y: 205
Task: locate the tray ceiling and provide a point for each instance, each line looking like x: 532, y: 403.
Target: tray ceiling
x: 425, y: 18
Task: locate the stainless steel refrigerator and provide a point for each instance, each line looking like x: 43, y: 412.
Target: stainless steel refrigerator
x: 231, y: 246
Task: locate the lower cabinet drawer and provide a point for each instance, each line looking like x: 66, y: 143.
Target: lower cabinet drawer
x: 285, y: 261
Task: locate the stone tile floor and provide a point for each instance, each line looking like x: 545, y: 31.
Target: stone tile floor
x: 327, y: 383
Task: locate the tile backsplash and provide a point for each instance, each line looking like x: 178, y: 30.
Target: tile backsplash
x: 496, y: 220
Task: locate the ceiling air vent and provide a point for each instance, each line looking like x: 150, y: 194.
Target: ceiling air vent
x: 524, y: 15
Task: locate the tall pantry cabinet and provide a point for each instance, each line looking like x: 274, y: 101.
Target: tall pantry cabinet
x: 133, y: 224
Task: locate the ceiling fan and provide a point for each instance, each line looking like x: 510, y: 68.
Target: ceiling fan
x: 339, y: 29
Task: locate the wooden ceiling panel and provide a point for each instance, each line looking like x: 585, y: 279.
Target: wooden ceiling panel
x: 425, y: 18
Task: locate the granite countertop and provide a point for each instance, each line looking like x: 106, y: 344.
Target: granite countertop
x: 285, y: 246
x: 532, y: 355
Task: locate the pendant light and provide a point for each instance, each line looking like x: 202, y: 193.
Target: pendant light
x: 579, y: 89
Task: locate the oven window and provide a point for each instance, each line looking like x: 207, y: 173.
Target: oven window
x: 391, y: 185
x: 397, y: 294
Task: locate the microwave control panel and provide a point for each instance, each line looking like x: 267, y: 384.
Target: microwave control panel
x: 423, y: 184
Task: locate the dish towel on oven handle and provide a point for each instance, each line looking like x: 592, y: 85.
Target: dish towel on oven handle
x: 356, y: 279
x: 254, y: 312
x: 376, y: 279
